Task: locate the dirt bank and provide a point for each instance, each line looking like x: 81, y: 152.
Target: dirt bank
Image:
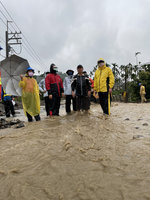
x: 79, y: 157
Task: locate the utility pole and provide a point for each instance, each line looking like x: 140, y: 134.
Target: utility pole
x: 11, y: 37
x: 136, y: 57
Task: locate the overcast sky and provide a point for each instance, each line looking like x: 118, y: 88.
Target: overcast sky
x: 72, y: 32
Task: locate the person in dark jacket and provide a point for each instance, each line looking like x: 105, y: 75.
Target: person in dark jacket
x: 54, y: 86
x: 8, y: 104
x: 81, y: 89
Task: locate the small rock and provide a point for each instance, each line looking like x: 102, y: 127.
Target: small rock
x: 67, y: 146
x: 2, y: 113
x: 137, y: 137
x: 140, y: 119
x: 13, y: 122
x: 127, y: 119
x: 15, y: 171
x: 77, y: 130
x: 145, y: 124
x: 20, y: 125
x: 136, y: 127
x: 2, y: 122
x: 7, y: 126
x: 82, y: 150
x: 8, y: 123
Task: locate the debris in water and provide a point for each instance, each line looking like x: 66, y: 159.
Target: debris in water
x: 145, y: 124
x: 67, y: 146
x: 137, y: 137
x: 2, y: 113
x: 20, y: 125
x: 8, y: 123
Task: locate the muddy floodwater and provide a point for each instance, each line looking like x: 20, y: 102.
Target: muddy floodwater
x: 79, y: 157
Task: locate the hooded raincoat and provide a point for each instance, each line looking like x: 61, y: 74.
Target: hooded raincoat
x: 142, y: 90
x: 30, y: 96
x: 142, y: 93
x: 103, y: 79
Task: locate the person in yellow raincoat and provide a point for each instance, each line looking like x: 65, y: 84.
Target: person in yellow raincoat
x: 103, y: 84
x: 30, y: 95
x: 142, y: 93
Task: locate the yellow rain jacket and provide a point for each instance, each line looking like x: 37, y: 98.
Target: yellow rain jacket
x: 142, y: 90
x: 30, y: 96
x: 103, y: 75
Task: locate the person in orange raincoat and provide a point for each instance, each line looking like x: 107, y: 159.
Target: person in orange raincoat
x: 30, y: 95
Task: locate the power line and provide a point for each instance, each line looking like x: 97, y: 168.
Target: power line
x: 8, y: 28
x: 2, y: 39
x: 8, y: 14
x: 16, y: 51
x: 2, y: 55
x: 3, y: 22
x: 36, y: 55
x: 23, y: 45
x: 6, y: 20
x: 32, y: 51
x: 31, y: 55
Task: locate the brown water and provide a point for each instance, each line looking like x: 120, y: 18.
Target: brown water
x: 77, y: 157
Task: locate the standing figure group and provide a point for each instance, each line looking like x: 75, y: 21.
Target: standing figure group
x: 76, y: 89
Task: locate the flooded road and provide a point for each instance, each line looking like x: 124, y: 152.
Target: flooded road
x: 79, y: 157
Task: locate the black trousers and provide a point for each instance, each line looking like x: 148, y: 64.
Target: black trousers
x: 104, y: 102
x: 47, y: 105
x: 69, y: 98
x: 9, y: 108
x: 54, y: 106
x: 30, y: 119
x: 83, y: 103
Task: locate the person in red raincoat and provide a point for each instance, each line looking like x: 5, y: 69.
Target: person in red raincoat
x: 54, y: 86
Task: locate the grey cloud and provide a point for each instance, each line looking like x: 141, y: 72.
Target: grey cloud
x: 69, y: 32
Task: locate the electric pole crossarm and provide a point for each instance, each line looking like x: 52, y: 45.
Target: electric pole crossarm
x: 13, y: 36
x: 14, y: 33
x: 15, y: 43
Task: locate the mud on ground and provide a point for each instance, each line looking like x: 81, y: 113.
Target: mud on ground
x: 78, y: 157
